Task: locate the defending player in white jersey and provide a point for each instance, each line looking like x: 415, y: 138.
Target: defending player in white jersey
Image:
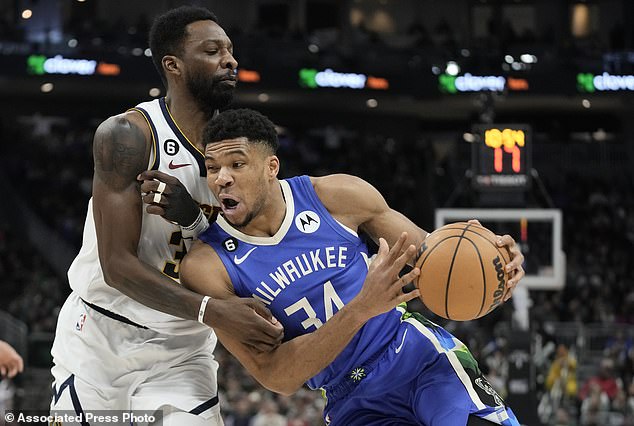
x: 127, y: 337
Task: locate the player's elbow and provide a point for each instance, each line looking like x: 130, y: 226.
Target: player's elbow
x: 111, y: 275
x: 286, y: 386
x: 282, y: 387
x: 279, y: 380
x: 285, y: 391
x: 115, y: 270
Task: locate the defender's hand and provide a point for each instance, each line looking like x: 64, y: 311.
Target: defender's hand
x: 514, y: 268
x: 10, y: 361
x: 383, y: 288
x: 247, y: 320
x: 166, y: 196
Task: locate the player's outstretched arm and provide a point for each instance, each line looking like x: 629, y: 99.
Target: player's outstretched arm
x: 121, y: 151
x: 286, y: 368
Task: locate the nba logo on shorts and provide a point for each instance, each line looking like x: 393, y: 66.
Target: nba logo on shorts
x: 80, y: 322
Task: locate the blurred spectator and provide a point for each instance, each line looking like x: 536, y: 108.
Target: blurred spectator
x: 32, y: 283
x: 604, y: 382
x: 241, y: 413
x: 498, y: 371
x: 562, y: 374
x: 562, y: 417
x: 269, y: 415
x: 630, y: 400
x: 620, y: 406
x: 595, y: 407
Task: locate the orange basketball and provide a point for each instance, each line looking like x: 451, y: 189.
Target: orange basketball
x: 462, y: 273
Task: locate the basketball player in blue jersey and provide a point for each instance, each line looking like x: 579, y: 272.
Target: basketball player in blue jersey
x: 130, y: 337
x: 293, y: 244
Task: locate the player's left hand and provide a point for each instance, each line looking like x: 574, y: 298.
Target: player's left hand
x: 514, y: 268
x: 166, y: 196
x: 247, y: 320
x: 10, y: 362
x: 383, y: 287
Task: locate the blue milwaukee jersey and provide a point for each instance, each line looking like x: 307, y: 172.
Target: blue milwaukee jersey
x: 304, y: 274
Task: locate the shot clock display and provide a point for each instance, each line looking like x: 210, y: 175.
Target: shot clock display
x: 501, y: 156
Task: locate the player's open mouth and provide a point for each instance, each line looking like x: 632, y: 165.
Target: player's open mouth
x: 229, y: 203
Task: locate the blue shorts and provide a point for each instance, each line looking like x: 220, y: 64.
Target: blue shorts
x: 425, y: 377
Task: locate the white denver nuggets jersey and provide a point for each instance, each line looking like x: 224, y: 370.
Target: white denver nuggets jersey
x: 161, y: 244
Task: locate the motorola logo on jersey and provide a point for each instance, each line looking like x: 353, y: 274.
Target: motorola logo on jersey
x: 307, y: 221
x: 170, y: 146
x: 230, y: 244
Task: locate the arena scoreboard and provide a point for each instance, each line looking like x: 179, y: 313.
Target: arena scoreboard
x: 501, y: 156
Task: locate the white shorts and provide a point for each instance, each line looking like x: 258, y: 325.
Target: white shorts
x: 101, y: 363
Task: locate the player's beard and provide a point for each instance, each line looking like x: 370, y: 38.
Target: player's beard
x: 259, y: 205
x: 250, y: 215
x: 245, y: 222
x: 210, y: 94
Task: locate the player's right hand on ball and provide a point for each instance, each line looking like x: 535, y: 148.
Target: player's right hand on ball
x: 251, y: 323
x: 383, y: 288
